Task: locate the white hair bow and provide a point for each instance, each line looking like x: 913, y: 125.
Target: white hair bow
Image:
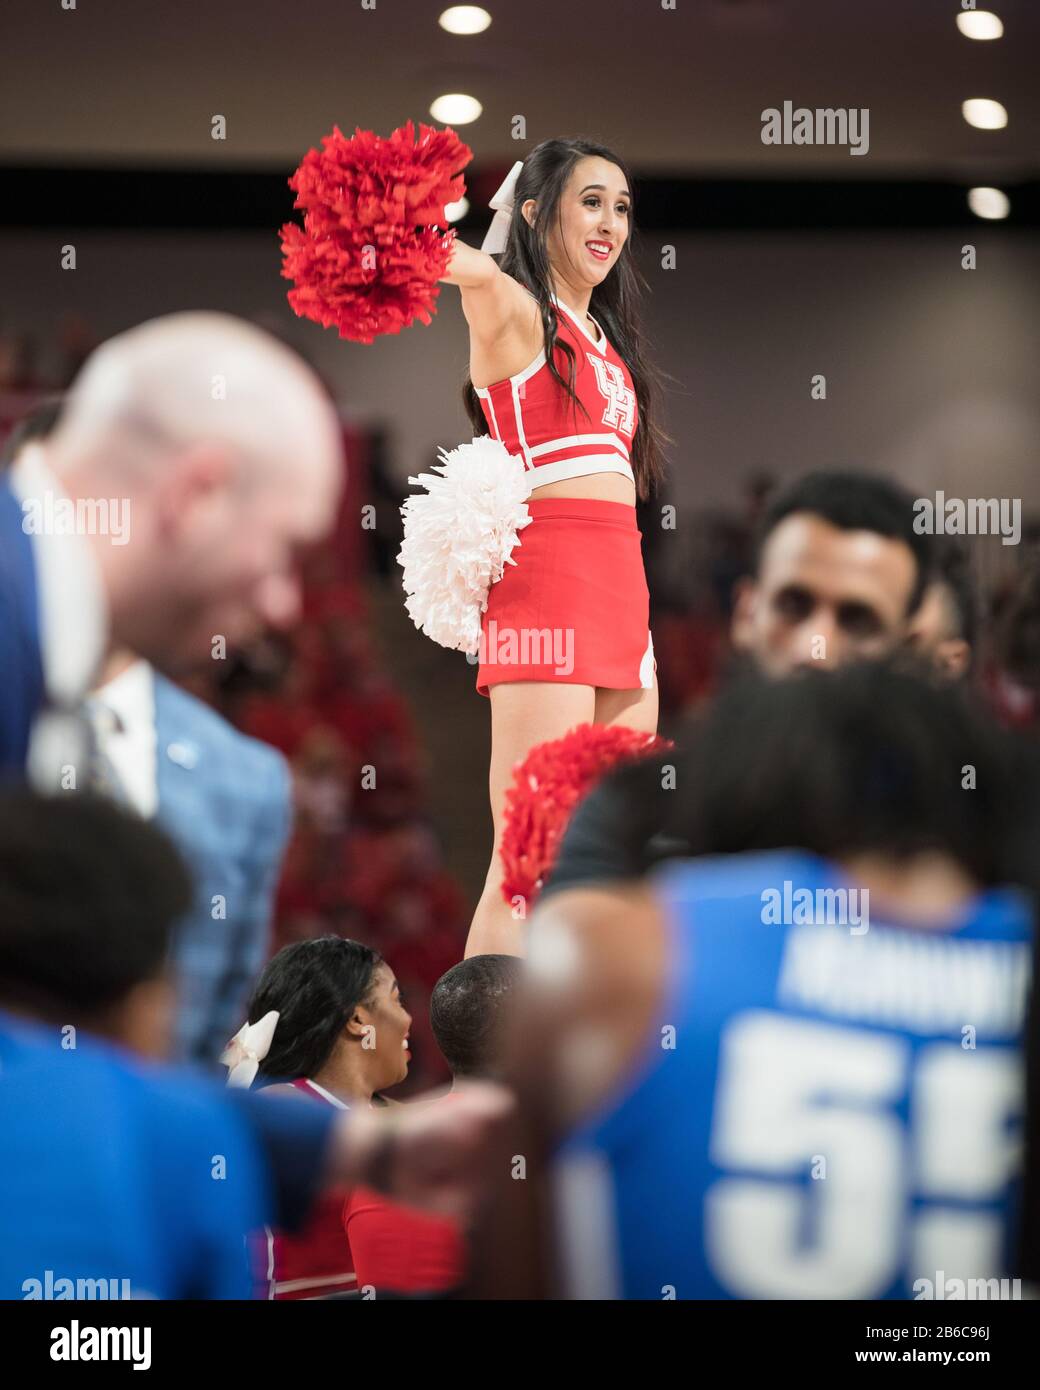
x: 498, y: 233
x: 248, y: 1048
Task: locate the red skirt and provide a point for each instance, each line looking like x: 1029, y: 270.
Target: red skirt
x: 574, y: 609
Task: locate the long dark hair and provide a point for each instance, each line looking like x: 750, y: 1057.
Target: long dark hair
x: 315, y: 986
x: 614, y: 303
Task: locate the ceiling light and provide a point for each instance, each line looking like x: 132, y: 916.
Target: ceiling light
x: 471, y: 19
x: 984, y: 114
x: 455, y: 108
x: 991, y: 203
x: 979, y: 24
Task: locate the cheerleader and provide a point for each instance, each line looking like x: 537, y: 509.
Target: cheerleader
x: 327, y: 1024
x: 559, y: 374
x: 524, y: 550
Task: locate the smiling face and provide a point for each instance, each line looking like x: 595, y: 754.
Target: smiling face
x: 385, y: 1015
x: 592, y: 224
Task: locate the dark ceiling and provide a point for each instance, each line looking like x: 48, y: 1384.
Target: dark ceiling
x: 679, y: 92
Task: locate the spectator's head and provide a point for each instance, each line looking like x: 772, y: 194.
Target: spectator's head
x: 866, y: 761
x: 1017, y: 641
x: 943, y: 629
x: 218, y: 453
x: 33, y: 428
x: 468, y: 1011
x: 838, y: 572
x: 89, y: 897
x: 341, y: 1022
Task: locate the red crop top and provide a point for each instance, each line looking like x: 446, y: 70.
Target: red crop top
x: 534, y: 417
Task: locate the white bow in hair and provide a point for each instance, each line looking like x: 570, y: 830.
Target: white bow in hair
x: 248, y: 1048
x: 498, y: 233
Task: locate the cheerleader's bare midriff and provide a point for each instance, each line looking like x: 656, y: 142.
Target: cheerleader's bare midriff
x: 610, y: 487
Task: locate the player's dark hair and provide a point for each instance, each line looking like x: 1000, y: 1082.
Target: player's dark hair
x: 89, y: 897
x: 615, y: 303
x: 854, y: 502
x: 39, y: 423
x: 315, y: 986
x: 863, y: 759
x: 467, y: 1012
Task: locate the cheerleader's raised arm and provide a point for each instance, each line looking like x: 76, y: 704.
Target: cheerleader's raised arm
x: 470, y: 269
x: 502, y: 316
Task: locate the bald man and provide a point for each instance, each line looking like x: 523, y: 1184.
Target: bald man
x: 194, y: 456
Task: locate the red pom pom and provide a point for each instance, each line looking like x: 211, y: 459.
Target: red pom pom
x: 547, y: 786
x: 372, y: 248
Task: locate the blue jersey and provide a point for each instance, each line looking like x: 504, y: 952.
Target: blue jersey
x: 827, y: 1107
x: 119, y: 1180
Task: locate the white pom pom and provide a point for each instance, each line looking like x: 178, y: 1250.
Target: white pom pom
x: 458, y: 536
